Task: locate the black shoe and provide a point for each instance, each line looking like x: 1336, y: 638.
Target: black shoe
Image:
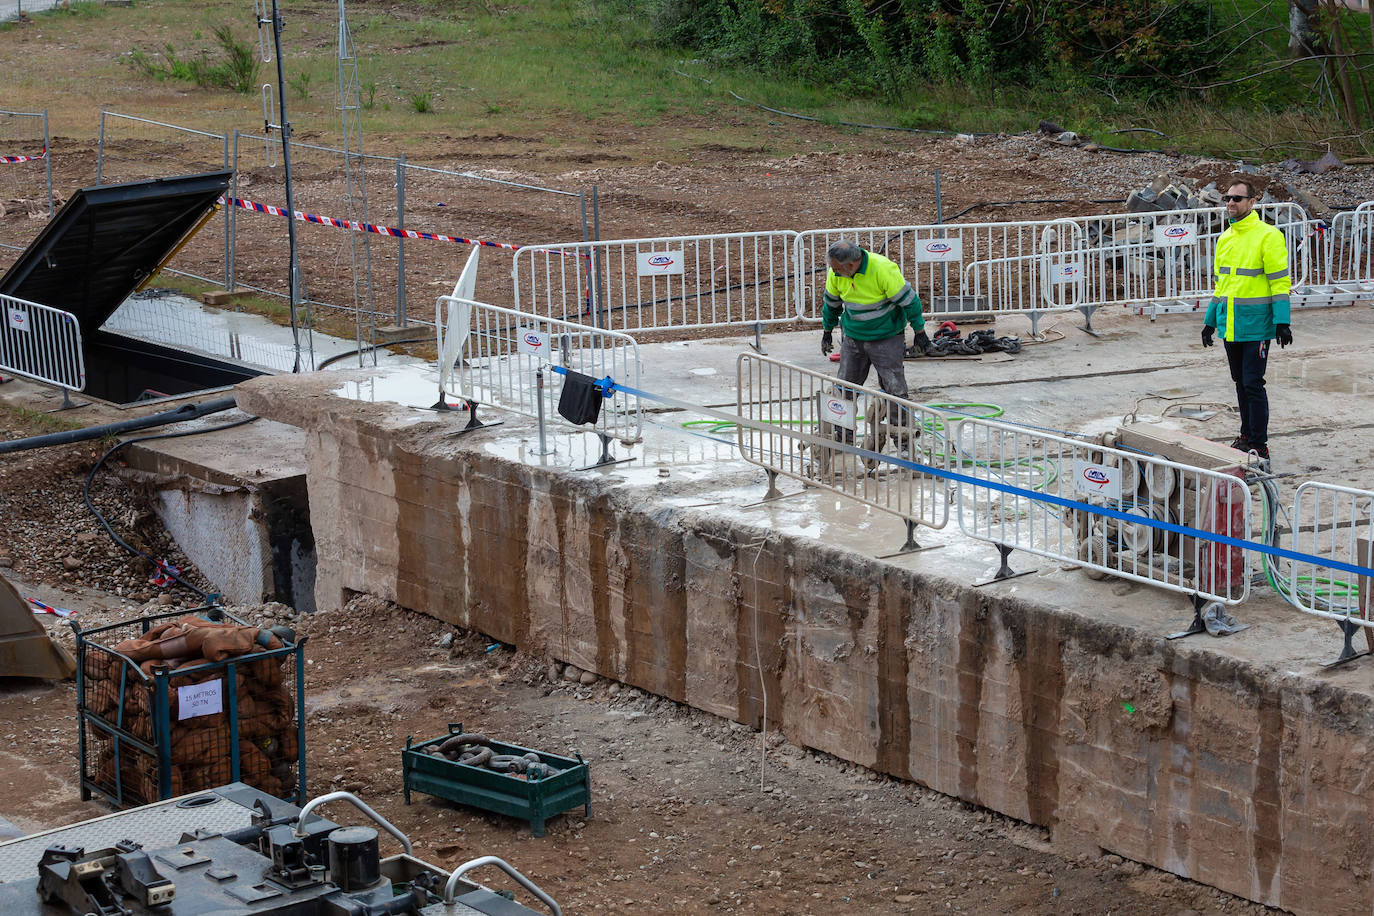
x: 1261, y: 450
x: 1241, y: 444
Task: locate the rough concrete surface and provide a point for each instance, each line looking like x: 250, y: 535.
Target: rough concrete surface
x: 1052, y: 698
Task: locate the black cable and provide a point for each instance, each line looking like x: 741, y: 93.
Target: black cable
x: 86, y: 495
x: 390, y: 343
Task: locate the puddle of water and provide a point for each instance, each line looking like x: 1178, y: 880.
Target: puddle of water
x: 179, y: 321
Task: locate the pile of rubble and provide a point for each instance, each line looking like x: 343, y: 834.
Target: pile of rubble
x: 1178, y: 192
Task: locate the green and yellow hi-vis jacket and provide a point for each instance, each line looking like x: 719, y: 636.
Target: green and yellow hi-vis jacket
x: 874, y: 304
x: 1251, y: 295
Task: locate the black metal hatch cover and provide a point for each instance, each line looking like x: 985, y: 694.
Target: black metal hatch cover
x: 106, y: 240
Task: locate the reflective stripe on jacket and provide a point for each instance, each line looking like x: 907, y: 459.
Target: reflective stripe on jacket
x: 874, y: 304
x: 1251, y: 294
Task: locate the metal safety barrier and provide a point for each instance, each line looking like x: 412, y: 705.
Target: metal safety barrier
x: 1130, y: 484
x: 1035, y: 267
x: 26, y: 160
x: 497, y: 351
x: 743, y: 279
x: 1342, y: 254
x: 41, y: 343
x: 789, y: 416
x: 1335, y: 523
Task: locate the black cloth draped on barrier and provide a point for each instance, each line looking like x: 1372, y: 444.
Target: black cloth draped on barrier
x: 580, y: 401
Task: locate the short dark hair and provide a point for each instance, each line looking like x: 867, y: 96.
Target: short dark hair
x: 1249, y: 186
x: 844, y: 252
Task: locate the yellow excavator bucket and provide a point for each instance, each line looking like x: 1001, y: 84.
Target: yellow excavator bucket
x: 25, y: 649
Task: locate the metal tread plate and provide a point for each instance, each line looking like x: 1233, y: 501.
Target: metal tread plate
x: 156, y: 825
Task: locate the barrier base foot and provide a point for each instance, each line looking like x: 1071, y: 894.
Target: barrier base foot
x: 1348, y: 652
x: 757, y: 345
x: 910, y: 546
x: 773, y: 491
x: 1087, y: 311
x: 1004, y: 571
x: 606, y: 457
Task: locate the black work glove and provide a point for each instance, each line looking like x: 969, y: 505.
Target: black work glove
x: 1207, y: 332
x: 827, y: 342
x: 922, y: 344
x: 1283, y: 334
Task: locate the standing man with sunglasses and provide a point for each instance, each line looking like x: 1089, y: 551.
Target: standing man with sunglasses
x: 1250, y: 308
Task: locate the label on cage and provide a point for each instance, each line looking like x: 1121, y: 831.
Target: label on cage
x: 1097, y: 479
x: 838, y: 411
x: 1177, y: 234
x: 19, y: 319
x: 1071, y: 272
x: 535, y: 343
x: 939, y: 250
x: 200, y: 699
x: 658, y: 263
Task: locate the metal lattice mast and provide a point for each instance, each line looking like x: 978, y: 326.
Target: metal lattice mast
x: 350, y: 110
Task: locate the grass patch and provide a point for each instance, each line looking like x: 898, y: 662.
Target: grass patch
x: 235, y: 69
x: 39, y: 423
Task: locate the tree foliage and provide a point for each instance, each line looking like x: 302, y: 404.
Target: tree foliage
x: 887, y: 46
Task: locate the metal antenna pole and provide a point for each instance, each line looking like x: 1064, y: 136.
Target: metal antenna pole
x: 284, y: 127
x: 350, y: 110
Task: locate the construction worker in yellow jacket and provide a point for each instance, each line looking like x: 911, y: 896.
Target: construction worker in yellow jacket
x: 1250, y: 308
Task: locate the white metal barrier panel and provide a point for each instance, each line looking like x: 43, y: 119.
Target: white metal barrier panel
x: 41, y: 343
x: 1330, y: 522
x: 1081, y: 262
x: 933, y: 260
x: 1120, y: 486
x: 803, y: 412
x: 1342, y: 254
x: 496, y: 352
x: 743, y: 279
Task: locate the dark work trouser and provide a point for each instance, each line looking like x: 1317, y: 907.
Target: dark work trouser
x: 1247, y: 359
x: 858, y: 356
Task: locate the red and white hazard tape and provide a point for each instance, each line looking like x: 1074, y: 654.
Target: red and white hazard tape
x: 42, y: 155
x: 41, y: 608
x: 362, y: 227
x: 164, y: 574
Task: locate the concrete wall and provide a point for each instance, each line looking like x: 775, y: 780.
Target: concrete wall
x: 1248, y: 780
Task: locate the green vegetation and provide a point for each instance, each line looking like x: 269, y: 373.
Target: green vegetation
x: 236, y: 68
x: 39, y: 422
x: 1214, y: 78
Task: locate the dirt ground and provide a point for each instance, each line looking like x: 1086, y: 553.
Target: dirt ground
x: 690, y: 813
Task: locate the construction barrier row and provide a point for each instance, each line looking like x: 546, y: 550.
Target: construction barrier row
x: 757, y: 279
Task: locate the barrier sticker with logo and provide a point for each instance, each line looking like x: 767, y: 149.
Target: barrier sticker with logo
x: 535, y: 343
x: 939, y: 250
x: 838, y: 411
x: 1096, y: 479
x: 1175, y: 235
x: 19, y: 319
x: 659, y: 263
x: 205, y: 699
x: 1072, y: 272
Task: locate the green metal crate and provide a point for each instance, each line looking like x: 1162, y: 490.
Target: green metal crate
x: 533, y: 800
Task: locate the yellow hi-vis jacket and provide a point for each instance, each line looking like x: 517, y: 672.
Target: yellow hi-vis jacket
x: 1251, y: 295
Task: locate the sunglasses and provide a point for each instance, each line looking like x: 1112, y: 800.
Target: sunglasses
x: 1235, y: 198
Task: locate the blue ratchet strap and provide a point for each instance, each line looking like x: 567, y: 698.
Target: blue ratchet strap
x: 609, y: 386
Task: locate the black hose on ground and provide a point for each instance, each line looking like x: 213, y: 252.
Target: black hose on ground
x: 179, y: 415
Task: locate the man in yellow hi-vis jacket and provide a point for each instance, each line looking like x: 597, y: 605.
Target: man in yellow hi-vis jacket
x: 1250, y: 308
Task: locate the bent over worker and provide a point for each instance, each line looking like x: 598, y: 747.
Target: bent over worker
x: 867, y: 296
x: 1250, y: 308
